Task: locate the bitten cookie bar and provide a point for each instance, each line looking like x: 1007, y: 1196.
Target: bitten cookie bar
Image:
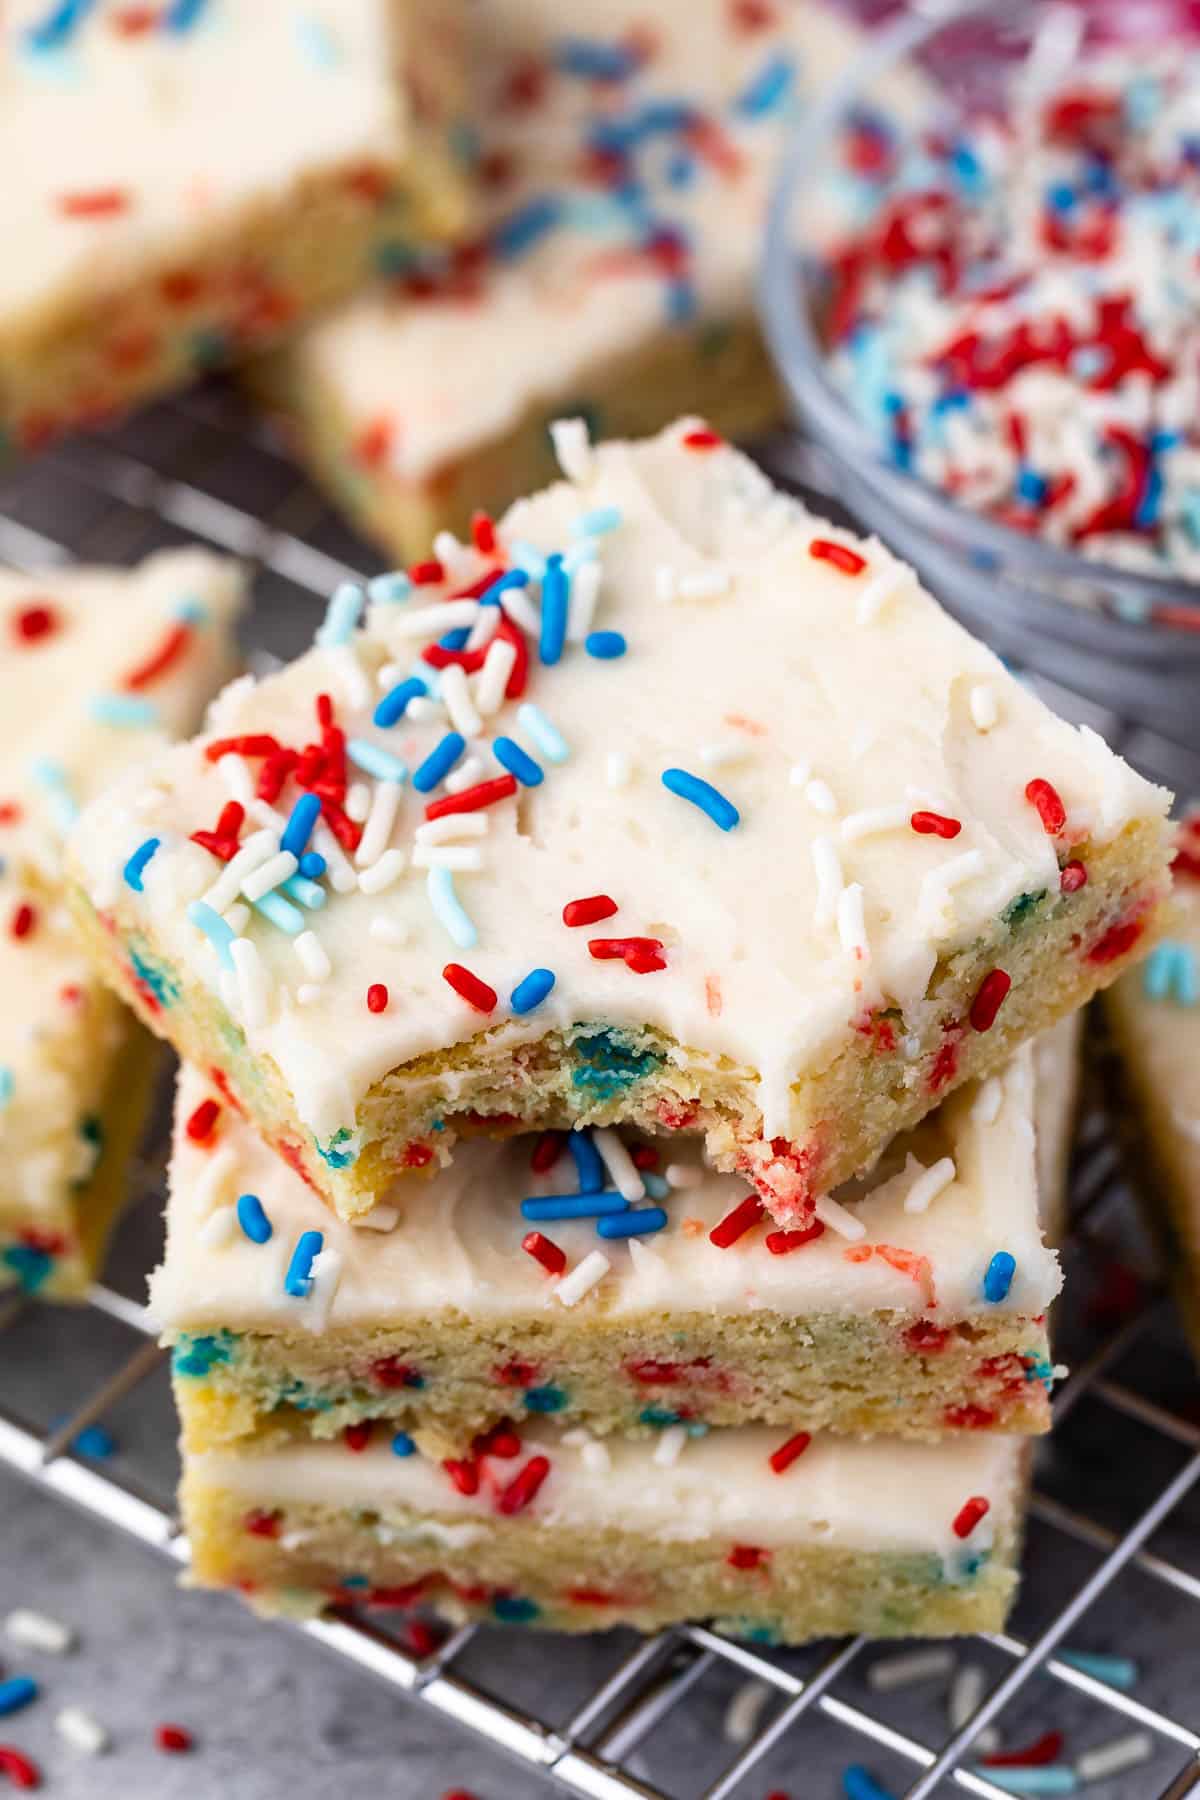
x: 94, y: 665
x: 625, y: 163
x: 668, y: 804
x: 196, y: 176
x: 619, y: 1291
x: 778, y: 1539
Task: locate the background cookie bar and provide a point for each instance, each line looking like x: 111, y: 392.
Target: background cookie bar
x: 197, y: 176
x: 670, y: 805
x: 914, y: 1304
x: 96, y: 664
x: 775, y: 1538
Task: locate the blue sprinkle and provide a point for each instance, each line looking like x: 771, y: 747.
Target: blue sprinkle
x: 137, y: 862
x: 589, y: 1166
x: 94, y: 1441
x: 657, y: 1186
x: 605, y: 644
x: 58, y: 24
x: 1060, y: 197
x: 591, y: 60
x: 859, y: 1784
x: 281, y: 913
x: 220, y: 934
x: 544, y: 1399
x: 596, y: 523
x: 541, y: 1207
x: 1119, y: 1671
x: 1170, y: 973
x: 511, y: 578
x: 451, y: 914
x: 17, y: 1692
x: 515, y: 1609
x: 456, y: 639
x: 402, y: 1445
x: 681, y: 170
x: 769, y: 88
x: 530, y: 992
x: 555, y: 593
x: 522, y: 229
x: 305, y: 891
x: 423, y: 671
x: 548, y: 738
x: 681, y: 302
x: 709, y: 799
x: 392, y: 707
x: 341, y: 616
x: 518, y: 762
x: 181, y: 15
x: 374, y: 761
x: 439, y: 762
x: 298, y: 1280
x: 998, y: 1277
x: 123, y: 710
x: 1031, y: 487
x: 57, y: 783
x: 7, y: 1084
x: 390, y: 589
x: 637, y: 1222
x: 252, y: 1219
x: 312, y: 865
x: 299, y: 827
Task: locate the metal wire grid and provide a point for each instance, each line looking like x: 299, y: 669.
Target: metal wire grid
x: 173, y: 472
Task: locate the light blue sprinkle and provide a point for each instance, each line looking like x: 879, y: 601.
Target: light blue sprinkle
x: 54, y: 779
x: 583, y: 550
x: 657, y: 1186
x: 523, y: 228
x: 190, y: 611
x: 530, y: 992
x: 282, y: 914
x: 596, y: 523
x: 403, y: 1445
x: 181, y: 15
x: 548, y: 738
x: 589, y: 1165
x: 423, y: 671
x: 299, y: 827
x: 312, y: 865
x: 390, y: 589
x: 540, y: 1207
x: 1170, y: 973
x: 518, y: 762
x: 394, y: 705
x: 1119, y: 1671
x: 555, y: 595
x: 439, y: 762
x: 317, y: 41
x: 998, y: 1277
x: 637, y: 1222
x: 709, y: 799
x: 341, y: 616
x: 452, y: 916
x: 215, y: 929
x: 95, y: 1441
x: 123, y: 709
x: 7, y: 1084
x: 133, y: 869
x: 372, y: 760
x: 529, y: 557
x: 252, y: 1219
x: 1049, y: 1778
x: 306, y: 892
x: 605, y: 645
x: 298, y: 1280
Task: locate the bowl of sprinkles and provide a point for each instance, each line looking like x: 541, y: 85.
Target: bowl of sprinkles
x: 982, y: 289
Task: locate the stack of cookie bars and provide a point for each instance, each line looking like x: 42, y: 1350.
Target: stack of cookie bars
x: 613, y: 1157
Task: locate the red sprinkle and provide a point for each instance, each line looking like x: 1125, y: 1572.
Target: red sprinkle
x: 745, y: 1215
x: 747, y: 1556
x: 989, y: 999
x: 377, y: 997
x: 97, y: 203
x: 390, y: 1372
x: 1046, y: 1749
x: 703, y: 438
x: 356, y: 1437
x: 262, y: 1524
x: 645, y: 1157
x: 23, y: 920
x: 173, y: 646
x: 483, y: 533
x: 501, y: 1441
x: 589, y: 911
x: 17, y: 1768
x: 1116, y: 941
x: 523, y: 1487
x: 1072, y: 877
x: 783, y: 1458
x: 173, y: 1737
x: 552, y: 1258
x: 546, y: 1152
x: 969, y: 1515
x: 781, y: 1243
x: 1050, y: 809
x: 468, y: 987
x: 839, y: 555
x: 201, y: 1121
x: 641, y: 954
x: 926, y: 1338
x: 251, y: 743
x: 33, y: 623
x: 473, y: 799
x: 428, y: 573
x: 931, y: 824
x: 373, y: 442
x: 463, y: 1472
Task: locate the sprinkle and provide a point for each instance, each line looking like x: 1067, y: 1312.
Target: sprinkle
x: 989, y: 999
x: 1114, y: 1757
x: 839, y: 1218
x: 452, y: 827
x: 17, y: 1768
x: 872, y: 821
x: 702, y: 794
x: 16, y: 1692
x: 1170, y: 973
x: 620, y: 1165
x: 201, y: 1120
x: 122, y: 709
x: 37, y: 1631
x: 572, y: 448
x: 589, y: 911
x: 458, y: 702
x: 79, y: 1729
x: 1119, y: 1671
x: 745, y: 1707
x: 636, y: 1222
x: 252, y: 1219
x: 523, y: 1488
x: 546, y: 736
x: 555, y: 596
x: 467, y: 859
x: 268, y: 875
x: 133, y: 869
x: 543, y: 1251
x: 531, y: 991
x: 252, y: 987
x: 874, y: 596
x: 173, y: 1738
x: 1072, y: 876
x: 828, y: 871
x: 988, y: 1101
x: 372, y: 761
x: 383, y: 873
x: 605, y: 645
x: 618, y: 770
x: 518, y: 762
x: 1048, y: 804
x: 395, y: 702
x: 743, y: 1218
x: 932, y: 824
x: 701, y: 584
x: 581, y: 604
x: 484, y: 793
x: 1052, y: 1778
x: 377, y: 827
x: 839, y: 556
x: 1046, y: 1749
x: 377, y: 997
x: 968, y: 1516
x: 859, y: 1784
x: 929, y: 1184
x: 492, y: 680
x: 984, y: 707
x: 180, y: 15
x: 389, y: 589
x: 587, y: 1273
x: 468, y: 772
x: 298, y: 1280
x: 589, y: 1168
x: 298, y: 829
x: 219, y: 1227
x: 453, y: 918
x: 892, y: 1673
x: 341, y: 616
x: 439, y: 762
x: 998, y: 1277
x: 819, y: 795
x: 541, y: 1208
x: 470, y: 988
x: 787, y: 1453
x: 403, y: 1445
x: 683, y: 1175
x: 701, y: 437
x: 851, y: 922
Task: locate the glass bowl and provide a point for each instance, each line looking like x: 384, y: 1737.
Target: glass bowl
x: 1127, y: 640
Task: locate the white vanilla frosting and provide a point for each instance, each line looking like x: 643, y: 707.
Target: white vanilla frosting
x: 455, y: 1247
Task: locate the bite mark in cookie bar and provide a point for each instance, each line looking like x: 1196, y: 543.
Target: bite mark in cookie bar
x: 793, y: 970
x: 519, y: 1282
x: 564, y: 1532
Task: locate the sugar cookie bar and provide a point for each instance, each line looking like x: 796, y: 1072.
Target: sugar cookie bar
x: 198, y: 176
x: 916, y: 1303
x: 777, y: 1539
x: 95, y: 664
x: 625, y: 167
x: 671, y: 805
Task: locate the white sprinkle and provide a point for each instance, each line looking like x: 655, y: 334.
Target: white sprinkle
x: 966, y: 1692
x: 873, y: 820
x: 387, y: 931
x: 666, y: 582
x: 433, y: 621
x: 581, y: 602
x: 934, y: 900
x: 468, y: 772
x: 254, y: 994
x: 308, y: 993
x: 985, y: 708
x: 704, y: 584
x: 492, y: 679
x: 389, y: 675
x: 829, y: 880
x: 595, y: 1457
x: 383, y: 873
x: 380, y: 1218
x: 618, y: 770
x: 422, y: 709
x: 225, y: 889
x: 1114, y: 1757
x: 235, y: 773
x: 988, y: 1102
x: 879, y: 590
x: 819, y: 795
x: 482, y: 631
x: 342, y: 878
x: 37, y: 1631
x: 377, y: 827
x: 237, y: 917
x: 744, y: 1711
x: 462, y: 857
x: 683, y: 1175
x: 358, y: 801
x: 583, y: 1277
x: 851, y: 923
x: 517, y: 604
x: 894, y: 1672
x: 227, y: 987
x: 219, y: 1227
x: 452, y: 828
x: 670, y: 1446
x: 799, y: 773
x: 619, y: 1163
x: 458, y: 702
x: 269, y: 874
x: 314, y: 959
x: 720, y: 755
x: 453, y: 555
x: 839, y: 1218
x: 350, y: 676
x: 928, y: 1184
x: 219, y: 1171
x: 326, y: 1276
x: 263, y: 813
x: 572, y: 447
x: 79, y: 1729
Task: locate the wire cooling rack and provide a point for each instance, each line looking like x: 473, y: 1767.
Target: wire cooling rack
x: 1113, y: 1551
